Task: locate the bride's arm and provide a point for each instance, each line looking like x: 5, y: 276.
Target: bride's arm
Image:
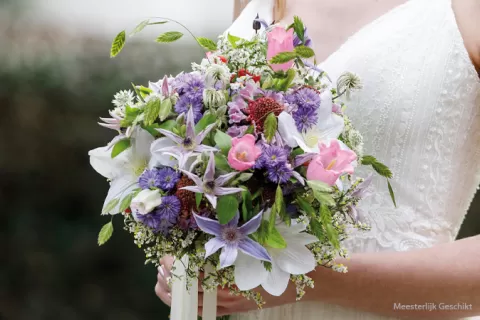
x: 238, y: 6
x: 446, y: 274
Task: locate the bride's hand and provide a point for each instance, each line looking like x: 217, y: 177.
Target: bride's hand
x: 227, y: 304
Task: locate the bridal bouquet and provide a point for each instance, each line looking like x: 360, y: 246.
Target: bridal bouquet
x: 243, y: 168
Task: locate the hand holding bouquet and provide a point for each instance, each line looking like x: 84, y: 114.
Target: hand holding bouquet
x: 242, y: 168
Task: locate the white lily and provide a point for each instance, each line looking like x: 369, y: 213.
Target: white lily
x: 329, y: 126
x: 295, y: 259
x: 123, y: 170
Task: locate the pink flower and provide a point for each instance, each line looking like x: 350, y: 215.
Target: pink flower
x: 280, y: 40
x: 243, y: 153
x: 331, y: 163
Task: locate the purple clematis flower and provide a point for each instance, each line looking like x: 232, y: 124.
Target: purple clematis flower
x: 231, y: 238
x: 187, y: 147
x: 210, y: 186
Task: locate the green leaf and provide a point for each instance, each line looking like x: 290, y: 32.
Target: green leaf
x: 275, y: 240
x: 117, y: 44
x: 223, y: 141
x: 170, y: 36
x: 131, y: 115
x: 319, y: 186
x: 198, y: 199
x: 324, y: 198
x: 317, y: 229
x: 159, y: 22
x: 250, y: 130
x: 207, y: 120
x: 167, y: 125
x: 305, y: 206
x: 326, y: 218
x: 207, y: 43
x: 262, y: 232
x: 283, y: 57
x: 140, y: 27
x: 120, y: 146
x: 281, y: 207
x: 304, y: 52
x: 285, y: 84
x: 222, y: 163
x: 137, y: 91
x: 392, y: 194
x: 165, y: 109
x: 126, y: 202
x: 299, y: 28
x: 233, y: 40
x: 270, y: 126
x: 227, y: 207
x: 144, y: 91
x: 379, y: 167
x: 105, y: 233
x: 247, y: 206
x: 268, y: 82
x: 151, y: 111
x: 110, y: 206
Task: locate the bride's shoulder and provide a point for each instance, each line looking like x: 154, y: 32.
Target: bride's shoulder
x: 245, y: 12
x: 467, y: 13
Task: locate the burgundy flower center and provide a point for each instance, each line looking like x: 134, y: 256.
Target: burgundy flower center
x: 231, y: 235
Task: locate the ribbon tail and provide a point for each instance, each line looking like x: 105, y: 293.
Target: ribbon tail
x: 184, y: 301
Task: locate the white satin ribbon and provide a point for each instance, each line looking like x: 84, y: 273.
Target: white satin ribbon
x: 209, y: 299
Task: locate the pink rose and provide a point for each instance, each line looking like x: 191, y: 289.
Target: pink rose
x: 243, y: 153
x: 280, y: 40
x: 331, y: 163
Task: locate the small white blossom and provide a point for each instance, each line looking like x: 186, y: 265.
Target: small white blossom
x: 123, y: 98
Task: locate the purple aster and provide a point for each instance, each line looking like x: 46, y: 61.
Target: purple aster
x: 149, y: 179
x: 169, y: 208
x: 279, y: 173
x: 186, y: 103
x: 151, y: 220
x: 307, y: 99
x: 272, y: 156
x: 305, y: 118
x: 167, y: 178
x: 190, y: 84
x: 231, y: 238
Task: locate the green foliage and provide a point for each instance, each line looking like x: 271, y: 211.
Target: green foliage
x: 105, y: 233
x: 151, y: 111
x: 223, y: 141
x: 305, y: 206
x: 278, y: 209
x: 206, y: 120
x: 304, y: 52
x: 233, y: 40
x: 167, y: 125
x: 227, y: 207
x: 316, y: 228
x: 144, y: 91
x: 283, y: 57
x: 379, y: 167
x: 165, y: 109
x: 140, y: 27
x: 120, y: 146
x: 319, y: 186
x: 262, y: 232
x: 170, y: 36
x: 275, y: 239
x: 326, y: 219
x: 299, y: 28
x: 250, y: 130
x: 131, y: 115
x: 198, y: 199
x: 110, y: 206
x: 126, y: 202
x: 270, y: 126
x: 247, y: 207
x: 117, y: 44
x: 222, y: 163
x: 392, y: 194
x: 207, y: 43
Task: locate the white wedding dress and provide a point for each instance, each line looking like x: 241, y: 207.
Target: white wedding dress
x: 419, y: 114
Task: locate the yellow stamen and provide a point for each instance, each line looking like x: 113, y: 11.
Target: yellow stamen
x: 242, y: 156
x: 330, y: 166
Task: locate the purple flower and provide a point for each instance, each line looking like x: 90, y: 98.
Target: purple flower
x: 250, y: 90
x: 306, y: 38
x: 305, y: 118
x: 210, y: 186
x: 277, y: 96
x: 272, y: 156
x: 186, y: 103
x: 307, y: 99
x: 362, y: 190
x: 149, y: 179
x: 231, y: 238
x: 280, y: 173
x: 237, y: 131
x: 189, y: 146
x: 169, y: 208
x: 164, y: 217
x: 151, y: 220
x: 190, y: 84
x: 236, y: 110
x: 167, y: 178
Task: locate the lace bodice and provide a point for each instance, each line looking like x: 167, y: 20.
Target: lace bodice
x: 419, y: 114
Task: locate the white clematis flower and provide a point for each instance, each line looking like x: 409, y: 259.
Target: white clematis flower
x: 295, y: 259
x: 145, y: 201
x: 329, y: 126
x: 123, y: 170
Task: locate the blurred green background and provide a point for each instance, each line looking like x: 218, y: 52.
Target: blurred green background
x: 56, y: 79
